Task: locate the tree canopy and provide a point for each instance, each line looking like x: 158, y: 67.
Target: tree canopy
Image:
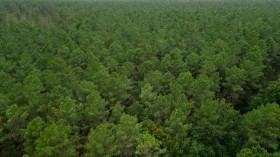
x: 139, y: 78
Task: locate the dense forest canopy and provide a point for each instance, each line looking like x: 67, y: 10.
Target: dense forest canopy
x: 139, y: 78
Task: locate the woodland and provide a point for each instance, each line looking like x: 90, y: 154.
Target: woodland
x: 144, y: 78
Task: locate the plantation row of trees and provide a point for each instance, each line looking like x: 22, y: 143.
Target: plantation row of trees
x: 139, y: 79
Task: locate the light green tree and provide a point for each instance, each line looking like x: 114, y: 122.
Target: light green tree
x: 253, y: 152
x: 101, y: 142
x: 31, y: 134
x: 149, y: 146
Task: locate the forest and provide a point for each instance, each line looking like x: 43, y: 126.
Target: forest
x: 184, y: 78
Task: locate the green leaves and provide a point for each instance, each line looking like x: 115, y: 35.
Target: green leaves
x: 94, y: 110
x: 261, y: 126
x: 45, y: 140
x: 253, y: 152
x: 33, y: 87
x: 101, y: 142
x: 32, y: 133
x: 127, y: 135
x: 139, y: 79
x: 266, y: 95
x: 235, y: 79
x: 16, y: 120
x: 214, y: 122
x: 149, y: 146
x: 198, y: 89
x: 54, y: 140
x: 112, y: 86
x: 178, y: 129
x: 68, y: 112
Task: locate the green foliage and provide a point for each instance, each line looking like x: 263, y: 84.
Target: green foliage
x: 253, y: 152
x: 235, y: 79
x: 266, y: 95
x: 101, y: 142
x: 117, y: 111
x: 16, y: 120
x: 48, y: 139
x: 94, y: 110
x: 127, y: 135
x: 261, y: 126
x: 32, y: 133
x: 198, y: 89
x: 54, y: 140
x: 112, y: 86
x: 149, y: 146
x: 179, y: 131
x: 68, y: 111
x: 147, y: 95
x: 214, y: 122
x: 32, y: 87
x: 139, y: 78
